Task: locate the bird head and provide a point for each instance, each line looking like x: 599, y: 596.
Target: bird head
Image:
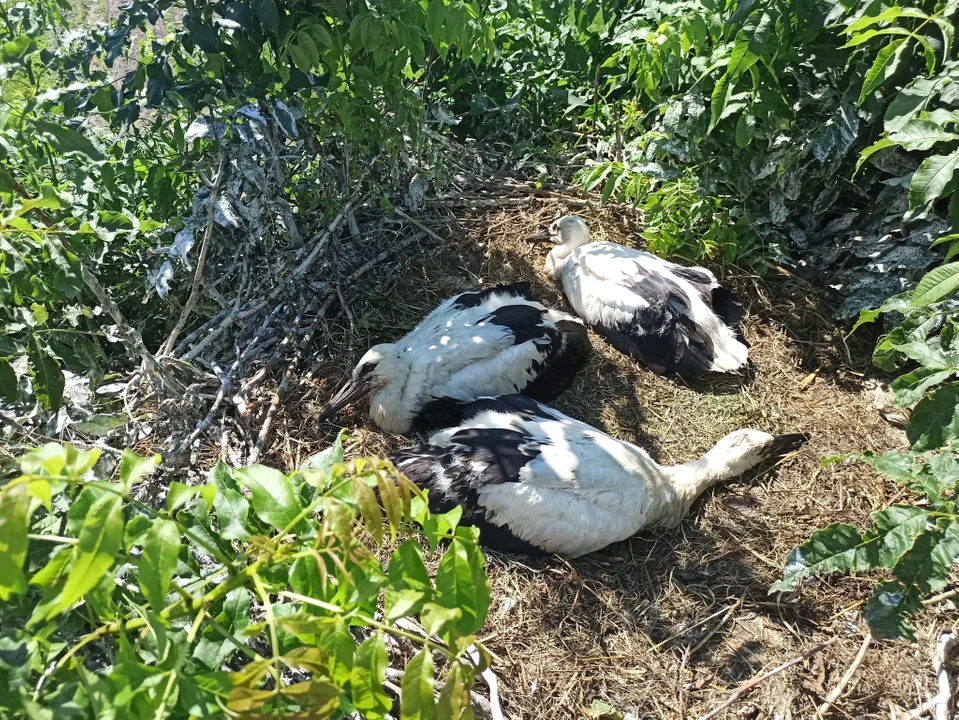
x: 380, y: 365
x: 570, y: 231
x: 745, y: 449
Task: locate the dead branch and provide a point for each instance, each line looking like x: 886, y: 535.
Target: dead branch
x: 131, y: 338
x: 837, y: 691
x: 945, y: 649
x: 765, y: 676
x: 200, y: 263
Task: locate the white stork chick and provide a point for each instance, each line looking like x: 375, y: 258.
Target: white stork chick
x: 496, y: 341
x: 536, y: 481
x: 667, y: 316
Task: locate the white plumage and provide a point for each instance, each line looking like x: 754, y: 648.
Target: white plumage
x: 668, y: 316
x: 498, y: 340
x: 535, y: 480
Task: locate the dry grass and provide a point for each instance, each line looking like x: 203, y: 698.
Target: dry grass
x: 621, y: 625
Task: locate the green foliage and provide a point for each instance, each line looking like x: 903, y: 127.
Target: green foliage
x: 254, y: 604
x: 761, y: 108
x: 105, y: 170
x: 919, y: 543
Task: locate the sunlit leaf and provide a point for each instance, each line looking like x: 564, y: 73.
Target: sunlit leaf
x: 834, y: 548
x: 158, y: 561
x: 274, y: 499
x: 369, y: 672
x: 882, y: 68
x: 14, y: 509
x: 98, y: 542
x: 930, y: 180
x: 935, y: 420
x: 416, y: 697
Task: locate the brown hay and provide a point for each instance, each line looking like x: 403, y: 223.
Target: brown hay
x: 618, y: 625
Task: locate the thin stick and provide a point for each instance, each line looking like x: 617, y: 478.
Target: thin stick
x: 131, y: 338
x: 200, y: 263
x: 837, y: 691
x: 947, y: 645
x: 765, y: 676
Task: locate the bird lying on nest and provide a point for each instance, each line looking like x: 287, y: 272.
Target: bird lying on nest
x: 496, y: 341
x: 536, y: 481
x: 667, y: 316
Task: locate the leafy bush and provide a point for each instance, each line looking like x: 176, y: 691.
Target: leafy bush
x: 757, y: 106
x: 237, y: 125
x: 919, y: 542
x: 254, y: 594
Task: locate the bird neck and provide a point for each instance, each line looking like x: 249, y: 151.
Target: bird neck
x: 691, y: 479
x: 556, y: 260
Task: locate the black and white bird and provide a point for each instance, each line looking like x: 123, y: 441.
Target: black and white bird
x: 496, y: 341
x: 536, y: 481
x: 665, y: 315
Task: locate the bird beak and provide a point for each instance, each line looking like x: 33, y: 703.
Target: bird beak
x: 543, y: 236
x: 784, y: 444
x: 353, y: 390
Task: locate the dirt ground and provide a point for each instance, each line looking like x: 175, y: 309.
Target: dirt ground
x: 670, y: 623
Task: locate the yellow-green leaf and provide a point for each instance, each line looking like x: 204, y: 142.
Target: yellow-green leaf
x: 14, y: 520
x: 99, y: 540
x: 158, y: 561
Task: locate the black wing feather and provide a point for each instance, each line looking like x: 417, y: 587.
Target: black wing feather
x: 448, y: 473
x: 474, y: 299
x: 448, y: 412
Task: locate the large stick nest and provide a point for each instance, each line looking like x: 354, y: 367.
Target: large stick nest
x: 666, y: 624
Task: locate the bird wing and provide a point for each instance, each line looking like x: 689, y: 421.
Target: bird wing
x: 651, y: 309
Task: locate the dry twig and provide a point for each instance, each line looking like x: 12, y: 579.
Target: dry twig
x: 837, y: 691
x: 765, y: 676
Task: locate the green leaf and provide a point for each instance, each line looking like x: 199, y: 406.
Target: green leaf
x: 926, y: 564
x: 366, y: 500
x: 921, y: 134
x: 416, y: 689
x: 935, y: 421
x: 455, y: 696
x: 274, y: 499
x: 409, y: 587
x: 317, y: 469
x: 887, y: 610
x: 68, y: 141
x: 18, y: 48
x: 436, y: 618
x: 14, y: 521
x: 366, y: 679
x: 48, y: 380
x: 99, y: 541
x: 929, y: 182
x: 948, y: 30
x: 866, y: 315
x: 179, y: 495
x: 9, y: 387
x: 868, y: 35
x: 910, y: 387
x: 158, y: 561
x: 897, y: 526
x: 882, y: 68
x: 134, y: 468
x: 267, y: 12
x: 936, y: 284
x: 834, y: 548
x: 232, y: 513
x: 867, y: 21
x: 744, y: 133
x: 460, y: 584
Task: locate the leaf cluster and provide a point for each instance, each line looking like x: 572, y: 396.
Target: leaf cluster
x: 916, y: 543
x: 255, y: 594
